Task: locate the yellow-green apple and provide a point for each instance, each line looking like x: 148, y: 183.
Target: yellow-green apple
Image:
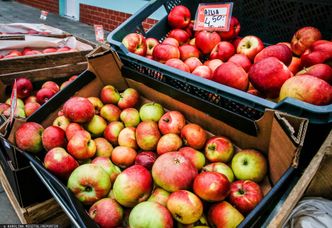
x: 242, y: 60
x: 211, y: 186
x: 127, y: 137
x: 19, y: 112
x: 110, y: 112
x: 44, y: 94
x: 205, y: 41
x: 201, y: 223
x: 135, y: 43
x: 180, y: 35
x: 213, y: 64
x: 147, y: 135
x: 194, y: 136
x: 51, y: 85
x: 106, y: 213
x: 19, y: 102
x: 146, y: 159
x: 112, y: 131
x: 280, y: 51
x: 79, y: 109
x: 219, y: 149
x: 61, y: 121
x: 30, y: 108
x: 49, y: 50
x: 109, y: 95
x: 130, y: 117
x: 96, y: 126
x: 268, y: 75
x: 223, y: 214
x: 303, y: 38
x: 197, y: 158
x: 24, y: 87
x: 123, y: 156
x: 171, y: 41
x: 307, y: 88
x: 151, y: 111
x: 103, y: 147
x: 179, y: 17
x: 321, y: 70
x: 29, y: 99
x: 245, y: 195
x: 112, y: 170
x: 89, y: 183
x: 97, y: 104
x: 187, y: 51
x: 295, y: 65
x: 150, y: 215
x: 150, y: 44
x: 234, y: 30
x: 128, y: 98
x: 28, y: 137
x: 185, y: 206
x: 164, y: 52
x: 223, y: 51
x: 193, y: 62
x: 177, y: 63
x: 203, y: 72
x: 159, y: 195
x: 169, y: 142
x: 4, y: 107
x: 133, y: 186
x: 59, y: 162
x: 180, y: 172
x: 222, y: 168
x: 250, y: 46
x: 232, y: 75
x: 64, y: 84
x: 81, y: 146
x: 249, y: 164
x: 71, y: 129
x: 53, y: 136
x: 171, y: 122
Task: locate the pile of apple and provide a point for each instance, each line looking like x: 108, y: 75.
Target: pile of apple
x: 28, y: 100
x: 139, y: 165
x: 300, y: 69
x: 27, y: 51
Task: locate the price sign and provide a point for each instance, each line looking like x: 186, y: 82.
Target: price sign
x: 99, y: 32
x: 43, y: 15
x: 213, y: 17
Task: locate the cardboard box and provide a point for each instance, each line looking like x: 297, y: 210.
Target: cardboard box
x: 279, y: 136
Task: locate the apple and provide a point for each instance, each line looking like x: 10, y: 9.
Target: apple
x: 89, y: 183
x: 249, y: 164
x: 213, y: 64
x: 51, y: 85
x: 19, y: 112
x: 223, y: 51
x: 268, y: 75
x: 133, y: 186
x: 164, y: 52
x: 236, y: 42
x: 295, y: 65
x: 171, y: 41
x: 211, y: 186
x: 147, y: 135
x: 180, y: 172
x: 159, y: 195
x: 53, y: 136
x: 180, y: 35
x: 280, y: 51
x: 169, y: 142
x: 185, y: 206
x: 196, y: 157
x: 103, y: 147
x: 234, y: 30
x: 179, y: 17
x: 303, y: 38
x: 64, y: 84
x: 13, y: 53
x: 109, y: 95
x: 187, y: 51
x: 150, y: 214
x: 44, y: 94
x: 30, y: 108
x: 192, y: 41
x: 321, y: 70
x: 245, y: 195
x: 193, y: 135
x: 64, y: 49
x: 123, y: 156
x: 242, y: 60
x: 81, y: 146
x: 232, y: 75
x: 193, y: 62
x: 4, y: 107
x: 79, y: 109
x: 129, y: 98
x: 112, y: 131
x: 71, y: 129
x: 96, y: 126
x: 106, y: 213
x: 219, y: 149
x: 110, y: 112
x: 177, y: 63
x: 127, y: 137
x: 130, y: 117
x: 32, y: 99
x: 309, y: 57
x: 190, y: 28
x: 250, y: 46
x: 28, y: 137
x: 49, y: 50
x: 19, y: 102
x: 97, y: 104
x: 25, y: 50
x: 32, y: 52
x: 24, y: 87
x: 112, y: 170
x: 150, y: 44
x: 135, y: 43
x: 307, y: 88
x: 62, y: 122
x: 146, y: 159
x: 224, y: 214
x: 59, y: 162
x: 151, y: 111
x: 220, y: 168
x: 203, y: 72
x: 171, y: 122
x: 205, y: 41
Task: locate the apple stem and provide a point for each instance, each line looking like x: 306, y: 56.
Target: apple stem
x: 88, y: 189
x: 241, y: 191
x: 166, y: 120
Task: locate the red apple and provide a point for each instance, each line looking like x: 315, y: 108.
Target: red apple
x: 146, y: 159
x: 177, y: 63
x: 304, y: 38
x: 64, y: 49
x: 250, y: 46
x: 129, y: 98
x: 13, y: 53
x: 24, y: 87
x: 224, y: 214
x: 53, y: 136
x: 164, y: 52
x: 30, y: 108
x: 171, y: 41
x: 49, y: 50
x: 180, y: 35
x: 64, y: 84
x: 127, y: 137
x: 213, y: 64
x: 197, y: 158
x: 25, y: 50
x: 51, y: 85
x: 71, y: 129
x: 112, y: 131
x: 179, y: 17
x: 321, y: 70
x: 147, y: 135
x: 44, y: 94
x: 223, y: 51
x: 220, y: 168
x: 205, y: 41
x: 295, y: 65
x: 193, y: 62
x: 203, y: 72
x: 109, y: 95
x: 219, y: 149
x: 4, y: 107
x: 32, y: 52
x: 187, y: 51
x: 193, y: 136
x: 112, y: 170
x: 150, y: 44
x: 29, y: 99
x: 236, y: 42
x: 241, y: 60
x: 171, y: 122
x: 245, y: 195
x: 159, y: 195
x: 103, y: 147
x: 110, y: 112
x: 123, y: 156
x: 81, y: 146
x: 309, y: 57
x: 97, y: 104
x: 234, y: 30
x: 28, y: 137
x: 190, y: 28
x: 280, y: 51
x: 169, y: 142
x: 79, y: 109
x: 135, y: 43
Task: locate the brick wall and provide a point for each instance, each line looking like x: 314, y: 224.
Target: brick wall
x: 48, y: 5
x: 110, y: 19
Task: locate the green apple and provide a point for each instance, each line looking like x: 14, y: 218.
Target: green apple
x: 96, y: 126
x: 151, y: 111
